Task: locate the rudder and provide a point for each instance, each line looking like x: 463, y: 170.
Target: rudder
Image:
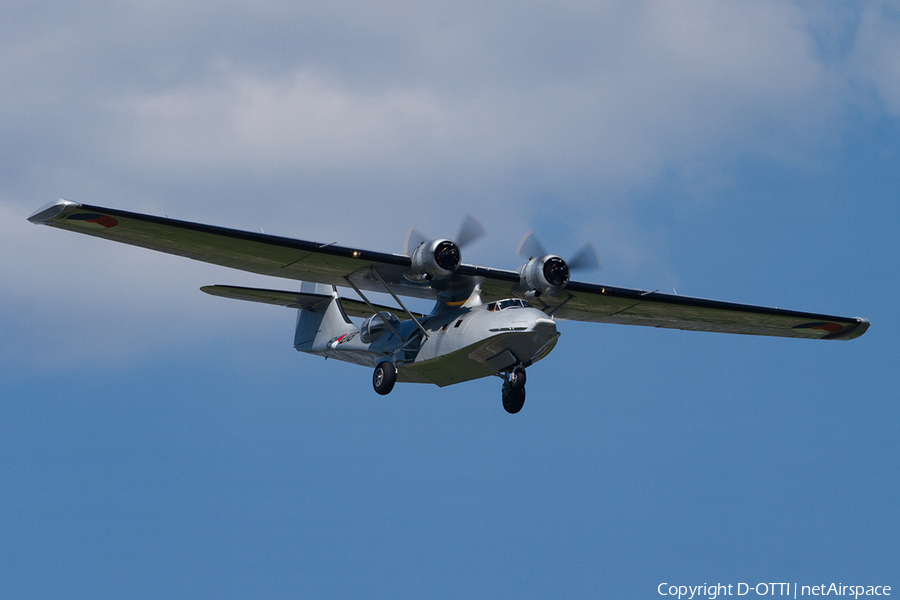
x: 320, y: 324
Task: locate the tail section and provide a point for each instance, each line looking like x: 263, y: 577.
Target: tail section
x: 321, y: 324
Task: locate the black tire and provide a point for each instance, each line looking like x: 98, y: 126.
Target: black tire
x: 517, y: 379
x: 513, y: 399
x: 384, y: 377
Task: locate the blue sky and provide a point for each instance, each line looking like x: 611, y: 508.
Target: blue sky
x: 157, y: 442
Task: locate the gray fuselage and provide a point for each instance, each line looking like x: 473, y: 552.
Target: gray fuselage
x: 459, y: 343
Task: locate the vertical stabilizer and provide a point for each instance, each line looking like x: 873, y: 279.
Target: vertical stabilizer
x: 321, y: 324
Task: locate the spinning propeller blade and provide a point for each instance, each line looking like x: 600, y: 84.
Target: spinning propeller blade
x: 414, y: 239
x: 530, y: 246
x: 586, y: 259
x: 470, y: 230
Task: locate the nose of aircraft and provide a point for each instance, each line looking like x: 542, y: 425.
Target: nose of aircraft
x: 545, y: 325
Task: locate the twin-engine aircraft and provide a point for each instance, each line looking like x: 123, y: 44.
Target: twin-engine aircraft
x: 485, y: 321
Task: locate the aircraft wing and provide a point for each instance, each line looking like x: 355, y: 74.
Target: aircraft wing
x: 260, y: 253
x: 595, y: 303
x: 341, y: 266
x: 605, y: 304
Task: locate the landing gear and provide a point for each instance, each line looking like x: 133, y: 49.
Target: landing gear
x: 514, y: 390
x: 513, y: 400
x: 384, y: 377
x: 517, y: 378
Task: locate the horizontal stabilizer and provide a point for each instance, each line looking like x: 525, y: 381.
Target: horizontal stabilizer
x: 353, y: 308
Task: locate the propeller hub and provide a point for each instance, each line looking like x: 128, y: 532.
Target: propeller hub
x: 447, y: 255
x: 556, y: 271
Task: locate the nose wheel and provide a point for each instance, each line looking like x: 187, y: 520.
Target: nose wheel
x: 514, y: 390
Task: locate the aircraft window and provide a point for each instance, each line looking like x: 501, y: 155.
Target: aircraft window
x: 504, y: 304
x: 458, y: 323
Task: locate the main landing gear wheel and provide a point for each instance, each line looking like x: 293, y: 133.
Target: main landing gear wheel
x: 514, y: 391
x: 517, y: 378
x: 384, y: 377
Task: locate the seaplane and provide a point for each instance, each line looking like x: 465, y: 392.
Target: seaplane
x: 485, y: 321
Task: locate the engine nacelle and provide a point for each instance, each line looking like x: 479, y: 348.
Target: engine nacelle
x: 434, y: 260
x: 544, y: 275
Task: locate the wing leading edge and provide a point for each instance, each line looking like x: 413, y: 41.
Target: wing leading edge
x: 335, y: 265
x: 259, y: 253
x: 604, y: 304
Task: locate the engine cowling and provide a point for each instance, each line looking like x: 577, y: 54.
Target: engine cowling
x: 543, y: 275
x: 434, y: 260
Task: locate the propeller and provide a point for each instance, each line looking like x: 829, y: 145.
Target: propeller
x: 530, y: 246
x: 470, y: 230
x: 586, y: 259
x: 414, y: 239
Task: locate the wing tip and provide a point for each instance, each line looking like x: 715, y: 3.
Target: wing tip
x: 851, y: 332
x: 53, y: 211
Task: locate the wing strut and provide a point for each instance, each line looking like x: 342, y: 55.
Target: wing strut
x: 558, y: 306
x: 373, y: 309
x: 400, y: 302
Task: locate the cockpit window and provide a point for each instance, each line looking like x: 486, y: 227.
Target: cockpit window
x: 511, y: 303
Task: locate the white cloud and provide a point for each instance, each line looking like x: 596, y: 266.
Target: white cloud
x: 877, y: 53
x: 679, y: 81
x: 297, y: 121
x: 71, y: 298
x: 346, y: 120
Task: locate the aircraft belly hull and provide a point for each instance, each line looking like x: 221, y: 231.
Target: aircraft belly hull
x: 361, y: 358
x: 485, y: 357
